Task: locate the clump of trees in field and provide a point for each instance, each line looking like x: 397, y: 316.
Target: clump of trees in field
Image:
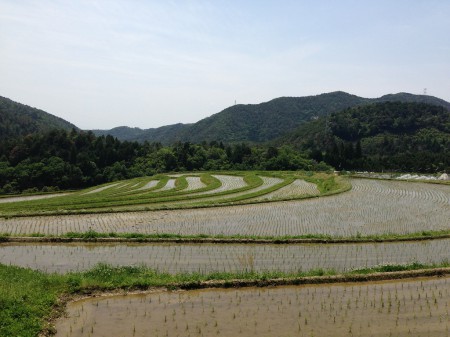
x: 61, y: 159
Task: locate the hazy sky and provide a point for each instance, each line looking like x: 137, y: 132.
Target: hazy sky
x: 107, y: 63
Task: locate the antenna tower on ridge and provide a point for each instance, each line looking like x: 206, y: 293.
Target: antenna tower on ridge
x: 424, y: 91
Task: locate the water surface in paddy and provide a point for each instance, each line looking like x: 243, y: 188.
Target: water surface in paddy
x: 206, y: 258
x: 406, y: 308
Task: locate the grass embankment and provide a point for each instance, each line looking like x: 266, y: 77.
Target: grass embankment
x: 29, y: 299
x: 204, y: 238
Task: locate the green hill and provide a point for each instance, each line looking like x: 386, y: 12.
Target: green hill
x: 245, y: 122
x: 266, y: 121
x: 18, y: 119
x: 167, y: 134
x: 260, y: 122
x: 380, y: 136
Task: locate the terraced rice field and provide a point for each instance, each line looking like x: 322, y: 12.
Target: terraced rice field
x: 194, y: 183
x: 250, y: 204
x: 228, y: 183
x: 100, y: 189
x: 267, y: 183
x: 163, y: 191
x: 31, y: 197
x: 207, y: 258
x: 149, y: 185
x: 296, y: 188
x: 372, y: 207
x: 407, y: 308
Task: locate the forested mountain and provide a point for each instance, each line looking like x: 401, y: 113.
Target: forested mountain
x: 17, y: 120
x: 403, y: 136
x: 380, y: 136
x: 266, y: 121
x: 260, y: 122
x: 167, y: 134
x: 410, y: 98
x: 248, y: 122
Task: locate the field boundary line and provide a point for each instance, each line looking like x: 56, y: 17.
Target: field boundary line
x: 328, y: 279
x: 187, y: 240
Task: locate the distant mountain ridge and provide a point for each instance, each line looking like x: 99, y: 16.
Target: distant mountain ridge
x: 18, y: 120
x: 256, y: 123
x: 260, y: 122
x: 164, y: 134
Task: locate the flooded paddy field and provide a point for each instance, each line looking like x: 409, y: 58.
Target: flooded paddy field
x: 207, y: 258
x: 393, y: 308
x: 372, y: 207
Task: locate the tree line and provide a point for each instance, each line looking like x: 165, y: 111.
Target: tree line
x: 61, y: 159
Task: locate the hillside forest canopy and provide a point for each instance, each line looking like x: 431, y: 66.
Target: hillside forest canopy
x: 389, y: 136
x: 74, y: 159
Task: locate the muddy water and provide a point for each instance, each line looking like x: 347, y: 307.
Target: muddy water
x: 206, y: 258
x: 408, y: 308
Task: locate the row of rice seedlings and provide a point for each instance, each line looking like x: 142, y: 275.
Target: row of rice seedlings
x: 409, y: 190
x: 350, y: 214
x: 139, y: 185
x: 407, y: 308
x: 365, y: 210
x: 122, y: 192
x: 223, y: 188
x: 267, y: 183
x: 297, y: 188
x: 228, y: 183
x: 5, y: 200
x: 255, y: 220
x: 165, y: 191
x: 170, y: 184
x: 207, y: 258
x: 194, y: 183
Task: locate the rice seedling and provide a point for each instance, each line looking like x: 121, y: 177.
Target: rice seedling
x: 161, y: 191
x: 208, y: 258
x: 310, y: 310
x: 371, y: 208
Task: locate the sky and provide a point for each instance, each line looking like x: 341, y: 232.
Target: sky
x: 142, y: 63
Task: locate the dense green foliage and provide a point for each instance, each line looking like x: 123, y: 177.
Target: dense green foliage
x: 19, y: 120
x: 382, y: 136
x: 26, y: 298
x: 62, y: 159
x: 259, y: 122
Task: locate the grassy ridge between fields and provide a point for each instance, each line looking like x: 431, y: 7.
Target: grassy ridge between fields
x: 93, y: 236
x: 30, y: 299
